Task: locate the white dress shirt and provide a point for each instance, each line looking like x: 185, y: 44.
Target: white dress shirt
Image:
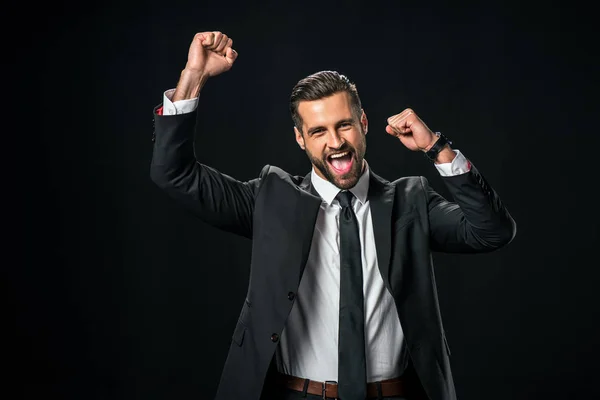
x: 309, y: 342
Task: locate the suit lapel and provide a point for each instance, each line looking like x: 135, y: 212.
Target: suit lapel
x: 381, y: 199
x: 308, y: 187
x: 308, y: 209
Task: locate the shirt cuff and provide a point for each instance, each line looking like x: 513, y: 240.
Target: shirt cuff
x: 177, y: 107
x: 459, y: 165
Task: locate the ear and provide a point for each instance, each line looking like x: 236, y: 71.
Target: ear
x: 299, y: 138
x: 364, y: 122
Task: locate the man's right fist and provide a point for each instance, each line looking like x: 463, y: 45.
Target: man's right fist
x: 211, y: 54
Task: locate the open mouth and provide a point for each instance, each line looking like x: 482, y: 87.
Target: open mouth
x: 341, y: 162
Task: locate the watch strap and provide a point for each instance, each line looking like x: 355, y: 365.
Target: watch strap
x: 437, y: 146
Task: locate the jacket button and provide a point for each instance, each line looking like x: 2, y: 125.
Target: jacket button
x: 291, y: 296
x: 274, y: 338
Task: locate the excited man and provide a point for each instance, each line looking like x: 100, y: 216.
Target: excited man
x: 342, y: 299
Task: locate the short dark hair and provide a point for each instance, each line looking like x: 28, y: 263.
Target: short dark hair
x: 320, y: 85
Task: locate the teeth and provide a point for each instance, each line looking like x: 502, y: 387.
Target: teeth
x: 338, y: 155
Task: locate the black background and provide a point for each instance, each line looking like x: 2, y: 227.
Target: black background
x: 120, y: 294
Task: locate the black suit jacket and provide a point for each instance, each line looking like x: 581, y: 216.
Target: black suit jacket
x: 278, y: 210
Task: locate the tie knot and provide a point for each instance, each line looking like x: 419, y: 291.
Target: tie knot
x: 345, y: 198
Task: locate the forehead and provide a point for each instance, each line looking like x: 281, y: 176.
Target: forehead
x: 328, y: 110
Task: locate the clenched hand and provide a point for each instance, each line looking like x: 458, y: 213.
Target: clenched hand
x: 210, y: 54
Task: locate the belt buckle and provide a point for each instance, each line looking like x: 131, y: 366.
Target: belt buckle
x: 324, y: 390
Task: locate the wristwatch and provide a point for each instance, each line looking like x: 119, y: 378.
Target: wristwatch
x: 437, y: 146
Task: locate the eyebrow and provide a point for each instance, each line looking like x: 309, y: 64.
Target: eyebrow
x: 337, y: 125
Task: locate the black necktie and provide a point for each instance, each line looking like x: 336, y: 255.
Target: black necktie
x: 352, y: 369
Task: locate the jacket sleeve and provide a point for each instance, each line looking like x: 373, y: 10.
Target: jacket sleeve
x: 476, y: 221
x: 214, y: 197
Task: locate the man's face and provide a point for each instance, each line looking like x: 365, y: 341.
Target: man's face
x: 333, y: 138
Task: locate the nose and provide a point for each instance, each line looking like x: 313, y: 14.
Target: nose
x: 334, y: 140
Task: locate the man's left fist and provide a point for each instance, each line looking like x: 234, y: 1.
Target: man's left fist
x: 412, y: 132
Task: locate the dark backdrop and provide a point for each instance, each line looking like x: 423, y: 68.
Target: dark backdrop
x: 120, y: 294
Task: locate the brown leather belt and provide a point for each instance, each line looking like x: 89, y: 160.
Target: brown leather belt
x: 329, y: 389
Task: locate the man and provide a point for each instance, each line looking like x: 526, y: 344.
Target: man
x: 342, y: 300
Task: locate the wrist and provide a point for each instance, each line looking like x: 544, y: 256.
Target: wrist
x: 189, y: 85
x: 435, y: 139
x: 439, y: 149
x: 446, y: 155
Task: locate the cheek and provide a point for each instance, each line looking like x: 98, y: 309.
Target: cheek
x: 316, y: 146
x: 314, y: 150
x: 356, y: 138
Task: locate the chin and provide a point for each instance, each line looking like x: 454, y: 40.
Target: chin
x: 345, y: 183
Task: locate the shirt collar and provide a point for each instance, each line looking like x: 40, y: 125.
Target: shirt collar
x: 328, y: 190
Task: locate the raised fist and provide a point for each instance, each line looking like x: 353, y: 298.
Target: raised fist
x: 411, y: 130
x: 211, y: 54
